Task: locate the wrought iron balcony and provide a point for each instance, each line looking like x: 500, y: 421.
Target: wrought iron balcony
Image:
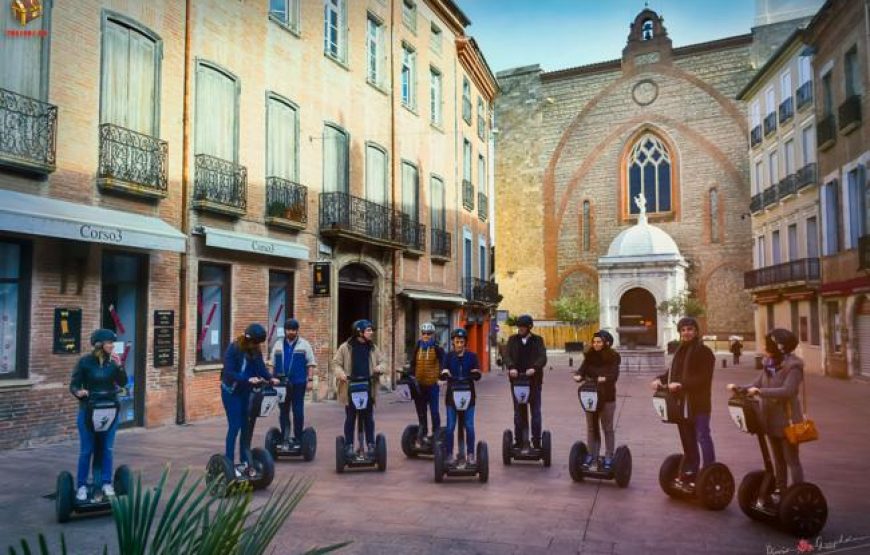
x: 755, y: 203
x: 850, y: 113
x: 413, y: 234
x: 786, y: 186
x: 806, y: 176
x: 864, y: 253
x: 286, y: 203
x: 132, y: 162
x: 786, y: 110
x: 768, y: 197
x: 769, y: 123
x: 28, y: 133
x: 220, y: 186
x: 346, y: 216
x: 441, y: 244
x: 826, y: 131
x: 804, y: 95
x: 467, y: 195
x: 478, y: 290
x: 792, y: 273
x: 482, y: 207
x: 755, y: 137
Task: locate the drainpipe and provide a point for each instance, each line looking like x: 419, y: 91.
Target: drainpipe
x: 181, y: 393
x: 396, y: 253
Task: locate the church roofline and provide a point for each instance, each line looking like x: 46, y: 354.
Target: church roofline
x: 773, y: 61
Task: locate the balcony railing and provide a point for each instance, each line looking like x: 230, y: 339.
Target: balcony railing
x: 786, y: 110
x: 850, y: 113
x: 132, y: 162
x: 467, y: 195
x: 220, y: 186
x: 803, y: 270
x: 482, y: 207
x: 804, y: 95
x: 769, y: 123
x: 478, y: 290
x: 412, y: 234
x: 755, y: 203
x: 864, y: 253
x: 286, y: 203
x: 28, y: 133
x: 345, y: 215
x: 786, y: 186
x: 768, y: 197
x: 755, y: 137
x: 826, y: 131
x: 806, y: 176
x: 441, y: 245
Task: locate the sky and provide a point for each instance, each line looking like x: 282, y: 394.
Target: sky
x: 559, y: 34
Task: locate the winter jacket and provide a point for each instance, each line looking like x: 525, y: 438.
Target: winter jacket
x: 460, y: 368
x: 240, y: 366
x: 779, y: 391
x: 97, y: 378
x: 531, y: 355
x: 604, y: 363
x: 423, y: 352
x: 296, y: 358
x: 692, y: 367
x: 342, y: 365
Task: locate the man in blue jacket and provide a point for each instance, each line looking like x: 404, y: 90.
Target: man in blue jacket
x: 293, y: 361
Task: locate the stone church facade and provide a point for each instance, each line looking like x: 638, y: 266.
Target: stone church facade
x: 575, y: 146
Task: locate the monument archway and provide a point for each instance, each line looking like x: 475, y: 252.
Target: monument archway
x: 638, y: 318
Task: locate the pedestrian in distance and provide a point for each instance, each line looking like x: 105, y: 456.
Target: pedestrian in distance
x: 526, y: 354
x: 736, y: 350
x: 293, y: 362
x: 601, y: 367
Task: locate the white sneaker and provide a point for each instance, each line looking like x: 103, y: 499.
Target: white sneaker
x: 82, y: 493
x: 108, y: 490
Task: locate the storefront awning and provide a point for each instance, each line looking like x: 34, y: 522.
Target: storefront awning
x: 257, y: 244
x: 433, y: 296
x: 34, y: 215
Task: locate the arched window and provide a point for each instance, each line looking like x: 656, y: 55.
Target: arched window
x: 586, y: 226
x: 647, y: 29
x: 649, y: 173
x: 714, y: 216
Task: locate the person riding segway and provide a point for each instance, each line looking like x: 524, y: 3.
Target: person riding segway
x: 526, y: 357
x: 421, y: 381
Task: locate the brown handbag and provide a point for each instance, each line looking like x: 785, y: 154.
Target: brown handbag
x: 801, y: 432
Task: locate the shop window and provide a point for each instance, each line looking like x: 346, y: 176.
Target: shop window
x: 14, y: 303
x: 281, y: 303
x: 212, y: 312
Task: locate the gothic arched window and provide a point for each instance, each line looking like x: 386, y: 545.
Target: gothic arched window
x: 647, y: 29
x: 649, y: 173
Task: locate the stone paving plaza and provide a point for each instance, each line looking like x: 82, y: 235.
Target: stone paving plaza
x: 523, y: 509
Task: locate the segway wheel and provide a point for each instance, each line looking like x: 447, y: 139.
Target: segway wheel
x: 668, y: 472
x: 803, y: 510
x: 381, y: 452
x: 748, y: 494
x: 339, y: 454
x: 439, y: 463
x: 63, y: 501
x: 622, y: 466
x: 507, y: 440
x: 546, y: 447
x: 482, y: 462
x: 220, y: 474
x: 715, y: 486
x: 273, y: 438
x: 575, y: 460
x: 264, y: 464
x: 309, y: 444
x: 408, y: 437
x: 123, y: 480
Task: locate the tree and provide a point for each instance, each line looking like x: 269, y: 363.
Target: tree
x: 682, y: 305
x: 579, y: 309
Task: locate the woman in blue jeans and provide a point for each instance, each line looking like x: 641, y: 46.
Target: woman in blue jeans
x: 243, y: 367
x: 97, y: 372
x: 460, y: 364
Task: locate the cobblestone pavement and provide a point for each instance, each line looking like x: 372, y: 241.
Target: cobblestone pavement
x: 524, y: 508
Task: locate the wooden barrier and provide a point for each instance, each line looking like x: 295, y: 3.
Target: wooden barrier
x: 554, y: 334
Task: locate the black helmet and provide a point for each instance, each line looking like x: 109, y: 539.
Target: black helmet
x: 525, y: 320
x: 255, y: 333
x: 361, y: 325
x: 291, y: 324
x: 688, y: 321
x: 102, y: 335
x: 605, y: 336
x: 779, y: 342
x: 459, y: 332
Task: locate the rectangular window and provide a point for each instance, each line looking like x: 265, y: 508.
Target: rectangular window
x: 812, y: 238
x: 759, y: 176
x: 808, y: 144
x: 793, y: 253
x: 827, y: 95
x: 481, y: 260
x: 857, y: 211
x: 335, y: 29
x: 815, y: 329
x: 374, y: 51
x: 836, y: 343
x: 435, y: 39
x: 481, y: 174
x: 466, y: 100
x: 410, y: 191
x: 439, y: 215
x: 755, y: 114
x: 788, y: 153
x: 771, y: 321
x: 773, y: 166
x: 775, y: 248
x: 587, y: 226
x: 24, y: 58
x: 466, y: 159
x: 481, y: 119
x: 129, y: 95
x: 714, y: 215
x: 216, y: 113
x: 804, y: 329
x: 467, y: 265
x: 794, y: 307
x: 409, y: 77
x: 435, y: 96
x: 770, y: 101
x: 852, y: 72
x: 335, y: 160
x: 785, y: 85
x: 376, y: 174
x: 759, y: 252
x: 14, y: 308
x: 281, y: 303
x: 805, y: 69
x: 831, y: 215
x: 212, y: 312
x: 409, y: 14
x: 282, y: 130
x: 286, y: 12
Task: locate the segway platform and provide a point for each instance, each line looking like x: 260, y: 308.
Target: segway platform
x: 620, y: 470
x: 359, y: 392
x: 461, y: 390
x: 521, y: 390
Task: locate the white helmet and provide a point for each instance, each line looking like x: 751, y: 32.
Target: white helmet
x: 427, y: 326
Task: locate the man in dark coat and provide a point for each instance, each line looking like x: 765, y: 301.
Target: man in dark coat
x: 527, y: 355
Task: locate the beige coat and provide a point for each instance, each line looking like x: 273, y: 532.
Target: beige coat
x: 341, y: 365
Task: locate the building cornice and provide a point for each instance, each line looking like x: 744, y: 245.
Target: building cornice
x: 475, y: 65
x: 449, y: 13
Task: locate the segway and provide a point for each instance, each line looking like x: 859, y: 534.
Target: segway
x: 359, y: 391
x: 228, y: 477
x: 714, y: 484
x: 521, y: 389
x: 284, y: 446
x: 461, y: 391
x: 802, y: 509
x: 101, y: 412
x: 620, y: 471
x: 408, y: 389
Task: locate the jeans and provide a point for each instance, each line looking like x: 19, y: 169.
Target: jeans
x: 785, y: 456
x: 294, y: 400
x: 594, y: 422
x: 452, y: 418
x: 368, y: 421
x: 428, y: 397
x: 694, y: 432
x: 236, y: 407
x: 521, y: 416
x: 96, y: 446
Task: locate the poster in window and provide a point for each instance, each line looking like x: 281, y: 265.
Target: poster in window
x: 321, y: 279
x: 67, y: 331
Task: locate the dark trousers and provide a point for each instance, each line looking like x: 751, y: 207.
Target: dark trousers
x: 350, y: 415
x: 294, y: 400
x: 236, y: 407
x: 452, y: 421
x: 785, y: 460
x: 96, y: 447
x: 427, y: 398
x: 695, y: 431
x: 521, y: 416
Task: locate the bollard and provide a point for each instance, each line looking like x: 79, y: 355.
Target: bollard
x: 570, y: 362
x: 724, y: 363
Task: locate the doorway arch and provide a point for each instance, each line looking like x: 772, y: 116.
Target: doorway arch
x: 356, y: 294
x: 637, y: 308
